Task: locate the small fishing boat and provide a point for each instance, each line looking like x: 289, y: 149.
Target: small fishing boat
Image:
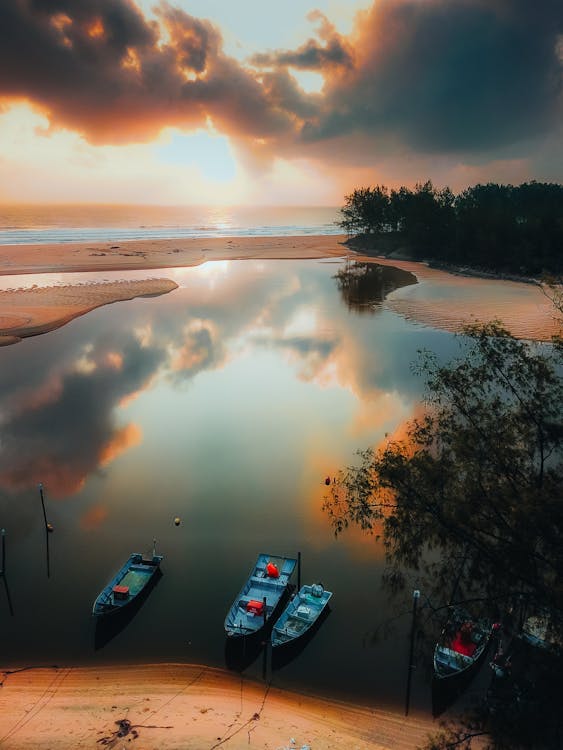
x: 463, y: 641
x: 300, y: 614
x: 128, y: 584
x: 260, y: 595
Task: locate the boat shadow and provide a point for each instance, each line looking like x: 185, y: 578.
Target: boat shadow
x: 242, y: 651
x: 445, y: 692
x: 111, y: 625
x: 286, y: 653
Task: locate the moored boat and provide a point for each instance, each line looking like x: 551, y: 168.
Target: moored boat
x: 300, y: 614
x: 463, y: 641
x: 127, y: 585
x: 260, y: 595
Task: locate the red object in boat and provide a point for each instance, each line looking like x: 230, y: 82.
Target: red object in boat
x: 462, y: 642
x: 255, y: 607
x: 272, y: 570
x: 121, y: 592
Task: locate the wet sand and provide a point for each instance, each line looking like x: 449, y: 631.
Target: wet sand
x: 28, y: 312
x: 149, y: 254
x: 179, y: 707
x: 440, y: 299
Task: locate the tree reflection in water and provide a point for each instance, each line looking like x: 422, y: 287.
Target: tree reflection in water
x: 364, y: 286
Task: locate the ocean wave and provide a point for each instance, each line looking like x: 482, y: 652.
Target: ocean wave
x: 65, y: 235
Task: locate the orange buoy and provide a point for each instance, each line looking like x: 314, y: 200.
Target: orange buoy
x: 272, y: 570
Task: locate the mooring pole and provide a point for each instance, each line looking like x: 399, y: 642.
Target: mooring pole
x: 415, y: 598
x: 299, y: 571
x: 3, y: 571
x: 48, y: 529
x: 43, y: 506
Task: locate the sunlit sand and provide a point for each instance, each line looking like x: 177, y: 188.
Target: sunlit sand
x: 173, y: 706
x: 440, y: 300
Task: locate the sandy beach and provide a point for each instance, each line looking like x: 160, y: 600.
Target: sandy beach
x: 182, y: 707
x: 28, y: 312
x: 150, y: 254
x: 31, y: 311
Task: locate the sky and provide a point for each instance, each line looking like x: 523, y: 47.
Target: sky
x: 294, y: 102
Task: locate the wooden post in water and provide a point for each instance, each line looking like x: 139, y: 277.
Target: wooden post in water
x: 299, y: 571
x: 43, y: 505
x: 415, y: 598
x: 3, y: 571
x: 48, y: 528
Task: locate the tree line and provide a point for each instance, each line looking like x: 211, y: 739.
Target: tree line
x: 500, y: 228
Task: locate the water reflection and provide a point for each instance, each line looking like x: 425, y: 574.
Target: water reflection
x: 284, y: 655
x: 225, y: 403
x: 364, y: 286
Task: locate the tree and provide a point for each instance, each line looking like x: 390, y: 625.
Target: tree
x: 366, y: 210
x: 499, y: 228
x: 475, y: 492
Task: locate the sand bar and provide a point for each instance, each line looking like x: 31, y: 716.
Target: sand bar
x: 33, y: 311
x: 180, y: 707
x: 149, y: 254
x: 455, y: 300
x: 29, y: 312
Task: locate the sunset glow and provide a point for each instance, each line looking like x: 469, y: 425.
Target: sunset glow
x: 219, y: 103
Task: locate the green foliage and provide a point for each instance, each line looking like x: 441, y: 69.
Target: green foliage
x: 496, y: 227
x: 472, y: 499
x: 480, y: 471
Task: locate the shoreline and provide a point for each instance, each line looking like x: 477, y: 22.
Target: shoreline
x: 161, y: 254
x: 180, y: 706
x: 29, y: 312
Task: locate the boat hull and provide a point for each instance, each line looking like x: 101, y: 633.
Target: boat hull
x: 462, y: 646
x: 300, y: 615
x: 259, y: 599
x: 127, y: 586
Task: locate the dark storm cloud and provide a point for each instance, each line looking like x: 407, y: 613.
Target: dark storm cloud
x: 424, y: 76
x: 448, y: 76
x: 335, y: 52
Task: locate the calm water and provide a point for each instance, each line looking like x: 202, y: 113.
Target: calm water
x: 225, y: 403
x: 61, y: 223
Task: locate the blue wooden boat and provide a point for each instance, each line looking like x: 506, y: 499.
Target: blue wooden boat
x: 300, y: 614
x: 259, y: 596
x: 127, y: 585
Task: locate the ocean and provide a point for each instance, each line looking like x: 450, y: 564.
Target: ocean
x: 32, y: 224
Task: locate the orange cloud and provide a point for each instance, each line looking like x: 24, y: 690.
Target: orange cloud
x: 125, y: 438
x: 94, y: 517
x: 412, y: 78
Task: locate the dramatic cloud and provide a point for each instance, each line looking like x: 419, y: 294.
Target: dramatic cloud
x: 432, y: 77
x: 100, y: 68
x: 66, y: 429
x: 442, y: 76
x: 336, y: 52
